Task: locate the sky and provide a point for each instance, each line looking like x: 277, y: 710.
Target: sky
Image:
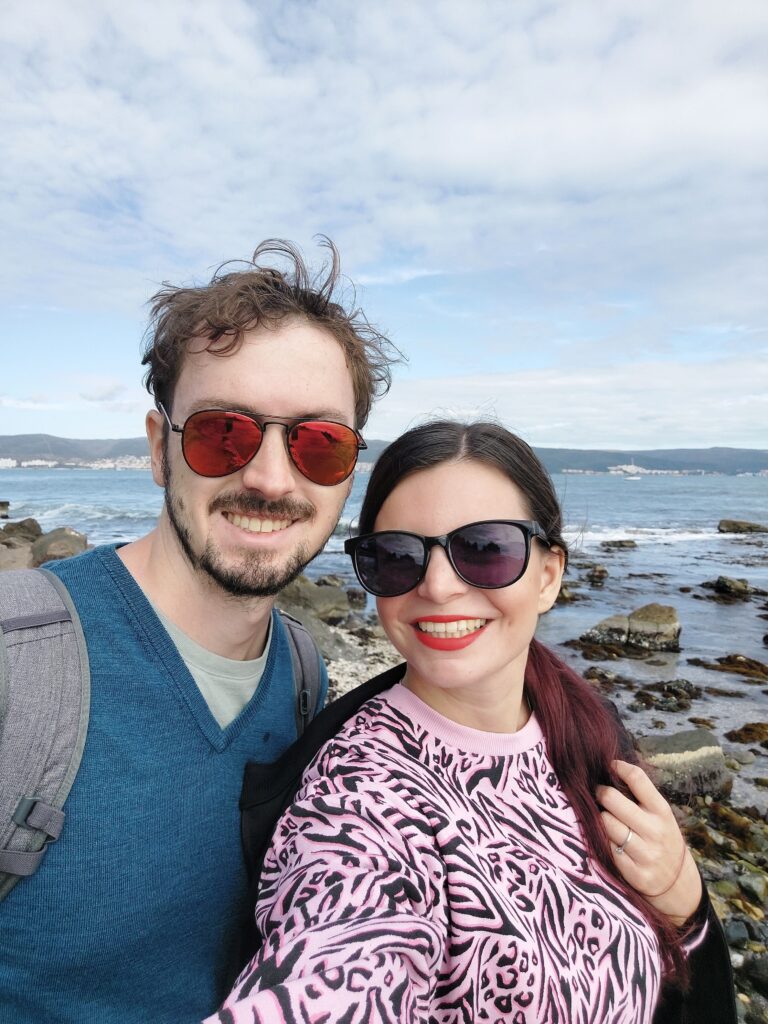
x: 557, y: 211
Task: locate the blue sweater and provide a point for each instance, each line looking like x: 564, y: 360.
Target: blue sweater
x: 134, y: 912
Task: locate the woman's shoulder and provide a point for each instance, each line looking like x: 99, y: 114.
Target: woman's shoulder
x: 376, y: 729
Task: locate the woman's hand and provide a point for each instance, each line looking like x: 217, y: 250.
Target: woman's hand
x: 648, y: 847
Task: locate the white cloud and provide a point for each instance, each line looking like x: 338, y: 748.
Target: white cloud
x: 104, y: 393
x: 586, y: 154
x: 645, y: 405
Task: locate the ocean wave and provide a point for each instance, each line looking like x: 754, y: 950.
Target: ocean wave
x: 70, y: 513
x: 641, y: 535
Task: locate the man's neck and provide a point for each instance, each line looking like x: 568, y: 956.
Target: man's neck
x: 234, y: 627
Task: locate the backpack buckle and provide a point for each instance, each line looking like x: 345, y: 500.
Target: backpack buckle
x: 34, y: 813
x: 304, y: 697
x: 23, y: 810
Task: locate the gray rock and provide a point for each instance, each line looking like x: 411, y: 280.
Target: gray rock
x: 24, y: 529
x: 689, y: 763
x: 333, y: 645
x: 757, y: 1011
x: 756, y: 969
x: 62, y: 543
x: 329, y: 580
x: 357, y: 597
x: 755, y: 887
x: 736, y: 934
x: 16, y: 556
x: 597, y: 575
x: 740, y: 526
x: 739, y: 754
x: 328, y: 603
x: 613, y: 630
x: 655, y: 627
x: 611, y: 545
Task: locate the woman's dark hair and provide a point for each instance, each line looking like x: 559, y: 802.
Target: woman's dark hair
x: 580, y: 730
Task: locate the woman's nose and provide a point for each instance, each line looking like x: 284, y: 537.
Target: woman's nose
x: 440, y: 581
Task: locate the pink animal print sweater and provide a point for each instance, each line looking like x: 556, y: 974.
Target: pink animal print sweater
x: 428, y: 873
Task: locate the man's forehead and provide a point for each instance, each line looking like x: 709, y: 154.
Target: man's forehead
x: 324, y: 412
x: 294, y: 371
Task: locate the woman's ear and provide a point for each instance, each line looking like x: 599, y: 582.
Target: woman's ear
x: 552, y: 569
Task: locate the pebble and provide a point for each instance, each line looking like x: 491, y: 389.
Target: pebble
x: 736, y: 933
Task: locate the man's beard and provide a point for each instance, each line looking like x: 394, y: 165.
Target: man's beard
x: 256, y: 575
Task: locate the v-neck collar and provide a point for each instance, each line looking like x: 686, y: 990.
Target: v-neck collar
x: 149, y: 626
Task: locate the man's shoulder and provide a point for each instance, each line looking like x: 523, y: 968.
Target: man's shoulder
x: 95, y: 561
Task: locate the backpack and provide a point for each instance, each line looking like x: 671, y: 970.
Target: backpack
x: 44, y: 709
x: 268, y: 789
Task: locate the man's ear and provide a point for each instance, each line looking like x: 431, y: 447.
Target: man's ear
x: 155, y: 425
x: 553, y: 567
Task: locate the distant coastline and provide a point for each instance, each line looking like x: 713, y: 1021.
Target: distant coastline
x: 44, y: 451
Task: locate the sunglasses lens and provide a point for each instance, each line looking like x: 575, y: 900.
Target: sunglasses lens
x: 490, y: 554
x: 322, y: 451
x: 389, y: 564
x: 219, y: 443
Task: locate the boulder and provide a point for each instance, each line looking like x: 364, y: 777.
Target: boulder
x: 613, y: 630
x: 357, y: 597
x: 733, y: 588
x: 25, y: 530
x: 597, y: 575
x: 728, y: 589
x: 740, y: 526
x: 16, y: 556
x: 655, y: 627
x: 329, y: 580
x: 756, y: 969
x: 616, y: 545
x: 62, y: 543
x: 689, y: 763
x: 327, y: 603
x: 333, y: 644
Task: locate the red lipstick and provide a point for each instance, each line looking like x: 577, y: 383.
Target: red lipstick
x: 441, y: 642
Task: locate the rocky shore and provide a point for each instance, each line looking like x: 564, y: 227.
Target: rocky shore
x: 715, y: 775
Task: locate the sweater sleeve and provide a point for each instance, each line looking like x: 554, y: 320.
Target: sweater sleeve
x: 710, y: 995
x: 349, y: 913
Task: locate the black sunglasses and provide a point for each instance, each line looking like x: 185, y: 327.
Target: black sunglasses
x: 216, y: 443
x: 489, y: 554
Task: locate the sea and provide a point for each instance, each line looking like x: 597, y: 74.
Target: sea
x: 673, y: 520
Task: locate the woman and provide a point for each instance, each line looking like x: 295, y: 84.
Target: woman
x: 469, y: 847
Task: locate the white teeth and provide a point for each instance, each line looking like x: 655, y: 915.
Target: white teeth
x: 254, y: 525
x: 460, y: 627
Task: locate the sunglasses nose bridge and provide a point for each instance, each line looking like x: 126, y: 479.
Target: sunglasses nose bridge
x: 443, y: 579
x: 270, y: 468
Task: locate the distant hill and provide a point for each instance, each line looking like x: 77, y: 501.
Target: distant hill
x: 22, y: 447
x: 46, y: 446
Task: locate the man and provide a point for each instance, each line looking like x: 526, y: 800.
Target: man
x: 261, y: 381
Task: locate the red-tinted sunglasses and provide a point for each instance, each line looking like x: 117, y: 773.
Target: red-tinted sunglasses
x: 216, y: 443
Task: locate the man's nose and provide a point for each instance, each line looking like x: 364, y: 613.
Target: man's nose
x: 270, y: 471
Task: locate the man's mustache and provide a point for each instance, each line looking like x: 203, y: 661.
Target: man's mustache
x: 251, y: 504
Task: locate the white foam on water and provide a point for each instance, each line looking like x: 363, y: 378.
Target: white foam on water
x: 580, y: 538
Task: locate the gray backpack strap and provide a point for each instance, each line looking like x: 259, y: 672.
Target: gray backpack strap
x: 306, y: 670
x: 44, y: 706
